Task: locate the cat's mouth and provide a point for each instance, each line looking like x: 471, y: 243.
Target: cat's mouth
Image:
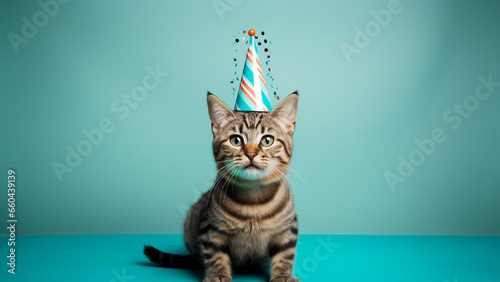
x: 251, y: 167
x: 251, y: 172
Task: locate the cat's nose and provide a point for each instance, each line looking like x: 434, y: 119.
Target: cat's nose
x: 251, y: 155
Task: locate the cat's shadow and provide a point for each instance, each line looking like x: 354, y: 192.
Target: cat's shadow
x: 198, y: 274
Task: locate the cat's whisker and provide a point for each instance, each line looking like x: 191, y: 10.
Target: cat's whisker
x: 209, y: 166
x: 283, y: 177
x: 228, y: 183
x: 224, y: 176
x: 220, y: 176
x: 211, y: 176
x: 292, y: 170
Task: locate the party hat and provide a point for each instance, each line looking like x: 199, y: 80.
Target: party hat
x: 252, y: 95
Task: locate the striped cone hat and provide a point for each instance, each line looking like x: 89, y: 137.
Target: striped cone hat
x: 252, y: 95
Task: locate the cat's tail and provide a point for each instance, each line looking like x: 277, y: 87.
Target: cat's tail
x: 171, y: 260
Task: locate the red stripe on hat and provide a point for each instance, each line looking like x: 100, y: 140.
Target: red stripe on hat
x: 250, y: 52
x: 250, y: 59
x: 245, y: 84
x: 244, y: 90
x: 250, y: 56
x: 260, y: 70
x: 262, y: 77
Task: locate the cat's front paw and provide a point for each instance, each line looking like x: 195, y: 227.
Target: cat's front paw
x: 217, y: 279
x: 285, y: 279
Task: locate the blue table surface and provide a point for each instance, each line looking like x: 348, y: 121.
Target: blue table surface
x: 119, y: 258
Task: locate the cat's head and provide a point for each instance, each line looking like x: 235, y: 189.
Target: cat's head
x: 253, y: 146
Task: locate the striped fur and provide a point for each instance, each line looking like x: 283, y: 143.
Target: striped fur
x: 247, y: 218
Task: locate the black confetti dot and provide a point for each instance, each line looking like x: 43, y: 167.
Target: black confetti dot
x: 234, y: 59
x: 265, y: 40
x: 237, y: 40
x: 256, y: 37
x: 268, y: 56
x: 262, y: 33
x: 259, y: 43
x: 265, y: 50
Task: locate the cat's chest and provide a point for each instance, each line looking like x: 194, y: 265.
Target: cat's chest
x: 249, y: 245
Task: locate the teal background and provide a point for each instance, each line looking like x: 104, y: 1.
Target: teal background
x: 355, y: 119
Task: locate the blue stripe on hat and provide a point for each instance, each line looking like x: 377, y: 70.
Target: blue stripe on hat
x: 266, y: 101
x: 247, y: 101
x: 241, y: 104
x: 252, y: 42
x: 248, y: 73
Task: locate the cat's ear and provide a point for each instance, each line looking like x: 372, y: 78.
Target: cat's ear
x: 286, y: 112
x: 219, y: 113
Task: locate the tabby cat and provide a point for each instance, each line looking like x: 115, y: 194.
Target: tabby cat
x: 247, y: 218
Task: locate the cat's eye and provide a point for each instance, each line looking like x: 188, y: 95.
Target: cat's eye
x: 267, y: 141
x: 236, y: 140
